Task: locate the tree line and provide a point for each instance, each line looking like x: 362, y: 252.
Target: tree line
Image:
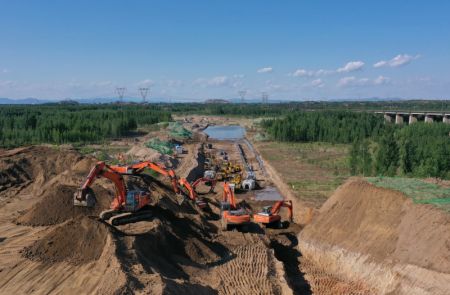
x: 416, y: 150
x: 58, y: 124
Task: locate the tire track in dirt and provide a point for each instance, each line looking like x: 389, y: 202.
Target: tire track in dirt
x: 251, y: 271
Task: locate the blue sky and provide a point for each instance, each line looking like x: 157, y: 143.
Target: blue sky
x: 194, y: 50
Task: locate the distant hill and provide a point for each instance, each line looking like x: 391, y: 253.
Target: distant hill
x: 22, y: 101
x: 217, y: 101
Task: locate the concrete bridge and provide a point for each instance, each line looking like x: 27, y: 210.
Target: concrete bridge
x: 400, y: 117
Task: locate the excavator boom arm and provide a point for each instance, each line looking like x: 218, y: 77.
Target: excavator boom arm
x: 139, y: 167
x: 103, y: 170
x: 286, y: 203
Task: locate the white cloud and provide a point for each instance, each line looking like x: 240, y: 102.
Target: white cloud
x: 380, y: 64
x: 265, y: 70
x: 303, y: 73
x: 381, y: 80
x: 5, y: 71
x: 218, y: 81
x: 233, y: 81
x: 306, y: 73
x: 7, y: 83
x: 145, y: 83
x: 351, y: 67
x: 346, y: 81
x: 353, y: 81
x: 318, y: 83
x: 397, y: 61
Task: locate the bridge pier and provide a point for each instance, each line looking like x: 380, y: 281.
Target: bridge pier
x: 398, y: 119
x: 446, y: 119
x: 388, y: 118
x: 428, y: 118
x: 412, y: 119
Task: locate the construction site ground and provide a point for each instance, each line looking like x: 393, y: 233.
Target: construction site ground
x: 363, y: 240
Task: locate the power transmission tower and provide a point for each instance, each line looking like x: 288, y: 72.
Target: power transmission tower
x: 144, y: 92
x: 242, y: 94
x: 265, y: 97
x: 120, y: 93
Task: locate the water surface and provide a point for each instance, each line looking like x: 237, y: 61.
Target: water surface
x: 221, y: 132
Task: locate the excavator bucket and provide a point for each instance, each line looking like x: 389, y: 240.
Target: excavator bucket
x: 84, y: 198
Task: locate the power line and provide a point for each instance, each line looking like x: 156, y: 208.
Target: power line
x: 242, y: 94
x: 144, y: 91
x: 120, y: 92
x: 265, y: 97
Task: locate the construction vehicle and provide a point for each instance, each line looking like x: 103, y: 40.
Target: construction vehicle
x: 192, y: 194
x: 138, y: 168
x: 236, y: 180
x: 230, y: 214
x: 269, y: 215
x: 207, y: 180
x: 127, y: 206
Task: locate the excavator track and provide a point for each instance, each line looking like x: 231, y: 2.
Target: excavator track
x: 130, y: 217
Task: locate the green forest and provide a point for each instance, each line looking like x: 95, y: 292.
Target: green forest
x: 417, y: 150
x: 23, y: 125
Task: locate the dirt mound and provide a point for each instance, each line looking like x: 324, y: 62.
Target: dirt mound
x: 28, y: 169
x: 142, y: 153
x: 56, y: 206
x: 78, y: 241
x: 369, y: 233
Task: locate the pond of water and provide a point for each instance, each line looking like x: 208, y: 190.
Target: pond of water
x: 220, y: 132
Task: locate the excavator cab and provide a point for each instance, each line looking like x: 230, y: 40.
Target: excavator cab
x: 269, y: 216
x: 135, y: 200
x: 230, y: 213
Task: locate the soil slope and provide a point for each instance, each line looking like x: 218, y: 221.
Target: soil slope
x: 377, y: 240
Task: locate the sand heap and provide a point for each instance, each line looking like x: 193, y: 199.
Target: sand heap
x: 56, y: 206
x: 27, y: 170
x: 77, y: 241
x: 377, y: 240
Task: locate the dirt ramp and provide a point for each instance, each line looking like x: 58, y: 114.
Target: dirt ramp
x: 78, y: 241
x: 378, y: 240
x: 56, y: 206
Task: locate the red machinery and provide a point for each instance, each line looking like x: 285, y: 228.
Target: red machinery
x: 205, y: 180
x: 191, y: 193
x: 269, y: 215
x: 230, y: 214
x: 140, y: 167
x: 126, y: 207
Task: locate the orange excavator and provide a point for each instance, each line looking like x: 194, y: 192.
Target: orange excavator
x: 230, y: 214
x: 269, y: 215
x: 127, y: 206
x: 205, y: 180
x: 140, y: 167
x: 192, y: 194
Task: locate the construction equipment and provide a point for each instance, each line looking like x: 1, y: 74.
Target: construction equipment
x: 207, y: 180
x: 230, y: 214
x: 127, y: 206
x: 192, y: 194
x: 140, y: 167
x: 269, y: 215
x: 236, y: 180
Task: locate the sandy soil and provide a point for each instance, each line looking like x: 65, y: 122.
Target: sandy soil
x: 378, y: 240
x: 49, y: 247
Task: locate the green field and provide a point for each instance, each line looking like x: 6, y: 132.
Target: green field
x: 312, y: 170
x: 419, y: 191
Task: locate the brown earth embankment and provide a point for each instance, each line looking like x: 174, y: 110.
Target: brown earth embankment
x: 373, y: 240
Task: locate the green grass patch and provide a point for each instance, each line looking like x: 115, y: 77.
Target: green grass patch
x: 419, y: 191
